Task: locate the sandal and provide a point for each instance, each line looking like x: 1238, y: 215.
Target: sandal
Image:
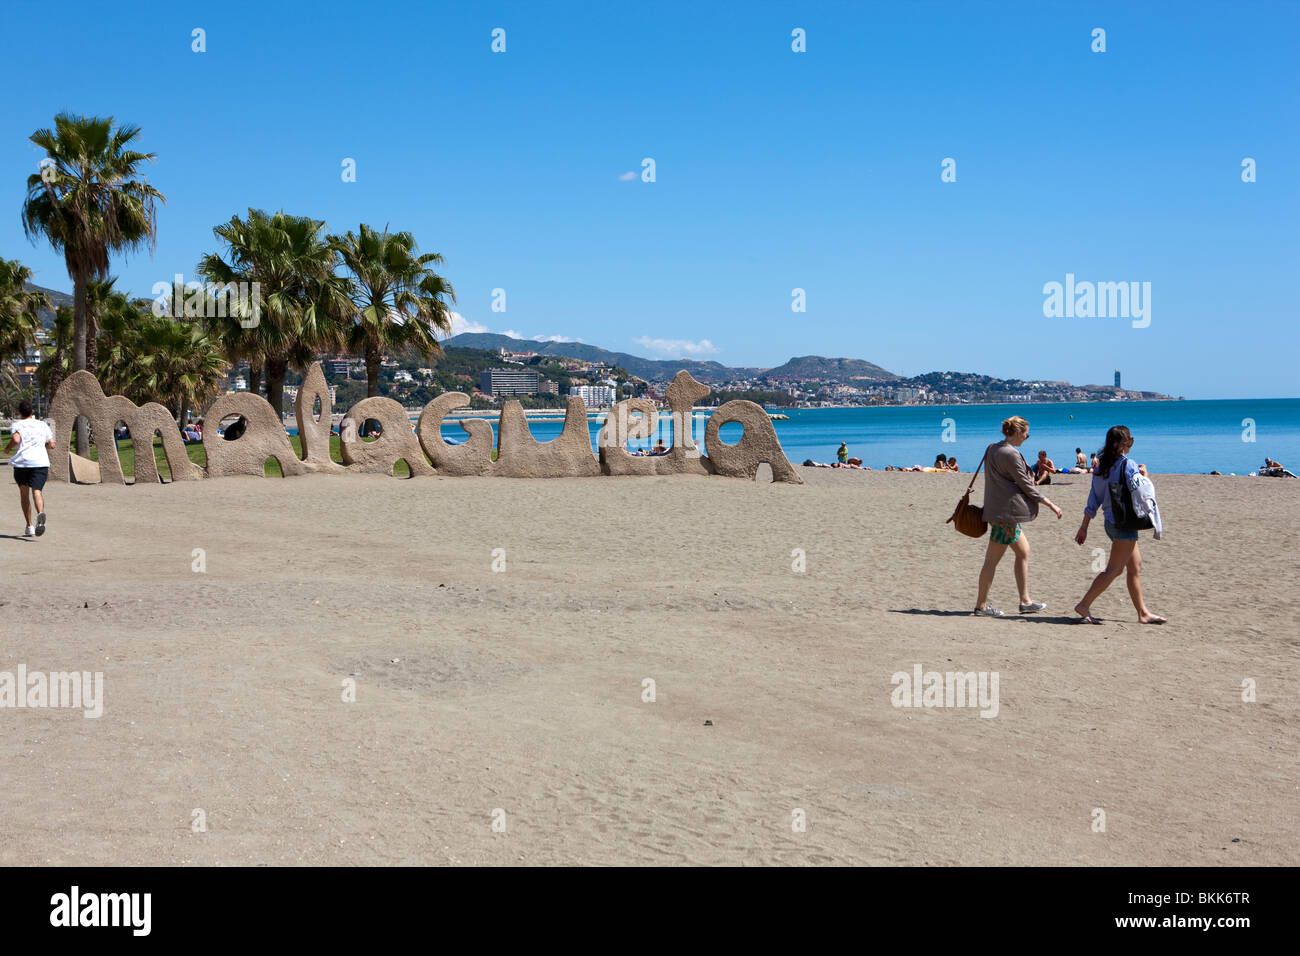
x: 1087, y: 619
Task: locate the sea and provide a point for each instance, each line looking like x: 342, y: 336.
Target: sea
x: 1187, y: 437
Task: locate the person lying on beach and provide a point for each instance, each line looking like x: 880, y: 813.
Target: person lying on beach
x: 952, y: 465
x: 940, y: 462
x: 1044, y: 468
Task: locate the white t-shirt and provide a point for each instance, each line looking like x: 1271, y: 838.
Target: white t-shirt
x: 32, y: 436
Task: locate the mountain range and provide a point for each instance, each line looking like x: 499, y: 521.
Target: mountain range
x: 803, y: 368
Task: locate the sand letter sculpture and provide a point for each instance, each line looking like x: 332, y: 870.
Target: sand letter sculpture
x: 471, y: 457
x: 396, y: 440
x: 80, y: 394
x: 313, y: 429
x: 518, y: 453
x: 683, y: 458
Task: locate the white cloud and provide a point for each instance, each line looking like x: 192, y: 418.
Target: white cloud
x: 461, y: 324
x: 627, y: 177
x: 555, y: 338
x: 512, y: 333
x: 676, y: 348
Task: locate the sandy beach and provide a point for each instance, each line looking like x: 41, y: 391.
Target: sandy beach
x: 522, y: 690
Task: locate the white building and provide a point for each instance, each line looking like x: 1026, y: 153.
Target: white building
x: 596, y: 396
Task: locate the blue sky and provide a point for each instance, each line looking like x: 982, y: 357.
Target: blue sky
x: 775, y: 170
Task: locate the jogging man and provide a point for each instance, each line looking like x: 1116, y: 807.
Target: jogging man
x: 31, y: 463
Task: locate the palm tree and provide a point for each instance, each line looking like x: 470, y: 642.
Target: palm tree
x: 11, y: 391
x: 20, y: 319
x: 400, y: 303
x: 176, y: 362
x: 89, y: 200
x: 117, y: 320
x: 152, y: 358
x: 101, y: 300
x: 302, y: 300
x: 56, y: 362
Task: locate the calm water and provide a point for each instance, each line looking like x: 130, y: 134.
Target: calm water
x: 1181, y: 437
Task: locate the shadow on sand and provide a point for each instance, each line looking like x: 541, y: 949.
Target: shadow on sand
x: 1010, y: 616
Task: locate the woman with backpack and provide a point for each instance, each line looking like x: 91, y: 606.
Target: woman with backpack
x: 1114, y: 477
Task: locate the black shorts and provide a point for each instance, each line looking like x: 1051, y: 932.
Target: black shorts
x: 33, y: 478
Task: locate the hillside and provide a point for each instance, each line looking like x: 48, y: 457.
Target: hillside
x: 655, y: 370
x: 809, y: 368
x: 57, y: 298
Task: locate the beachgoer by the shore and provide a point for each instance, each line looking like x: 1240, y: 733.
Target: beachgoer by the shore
x: 660, y: 448
x: 843, y: 453
x: 1044, y: 468
x: 1010, y: 498
x: 952, y: 465
x: 1115, y: 465
x: 31, y: 463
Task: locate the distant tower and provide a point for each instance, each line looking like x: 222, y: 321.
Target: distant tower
x: 1117, y: 384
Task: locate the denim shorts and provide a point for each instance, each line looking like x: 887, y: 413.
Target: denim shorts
x: 1115, y: 534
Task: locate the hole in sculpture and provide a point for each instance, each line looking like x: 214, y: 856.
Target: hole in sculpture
x: 371, y: 430
x: 731, y: 433
x: 316, y: 409
x: 232, y: 427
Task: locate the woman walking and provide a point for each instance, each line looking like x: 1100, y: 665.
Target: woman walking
x: 1114, y: 465
x: 1010, y: 497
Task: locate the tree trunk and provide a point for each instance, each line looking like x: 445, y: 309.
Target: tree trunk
x: 275, y: 372
x: 79, y: 322
x: 92, y: 344
x: 255, y: 378
x: 79, y: 353
x: 184, y: 412
x: 56, y: 373
x: 372, y: 368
